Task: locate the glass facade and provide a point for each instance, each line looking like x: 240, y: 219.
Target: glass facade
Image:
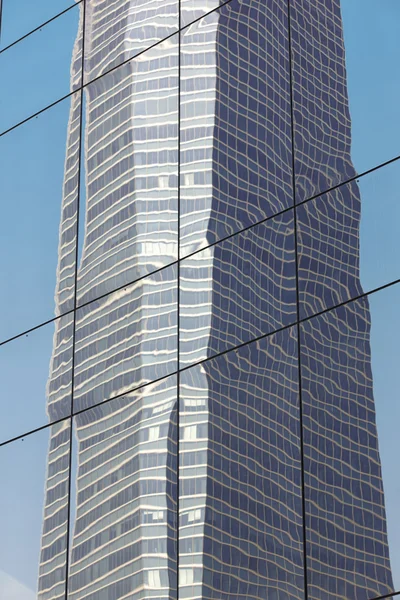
x: 199, y: 332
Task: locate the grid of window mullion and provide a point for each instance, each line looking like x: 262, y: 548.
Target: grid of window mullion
x: 178, y: 381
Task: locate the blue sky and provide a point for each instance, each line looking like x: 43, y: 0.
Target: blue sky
x: 372, y: 53
x: 21, y: 16
x: 32, y: 159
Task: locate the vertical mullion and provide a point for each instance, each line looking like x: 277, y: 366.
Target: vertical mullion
x: 81, y: 137
x: 303, y: 502
x: 178, y: 303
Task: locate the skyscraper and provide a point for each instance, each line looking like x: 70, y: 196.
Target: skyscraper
x: 191, y: 248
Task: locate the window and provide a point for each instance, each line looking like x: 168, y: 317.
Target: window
x: 189, y: 179
x: 190, y: 432
x: 154, y: 433
x: 154, y: 579
x: 163, y: 181
x: 194, y: 515
x: 186, y: 577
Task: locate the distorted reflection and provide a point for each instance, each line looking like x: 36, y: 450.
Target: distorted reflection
x: 131, y: 167
x: 124, y: 517
x: 186, y: 246
x: 241, y: 530
x: 347, y: 544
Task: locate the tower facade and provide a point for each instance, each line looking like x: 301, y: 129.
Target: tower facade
x: 209, y: 459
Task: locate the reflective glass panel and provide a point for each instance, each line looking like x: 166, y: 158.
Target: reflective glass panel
x: 129, y: 209
x: 117, y: 31
x: 38, y: 71
x: 238, y: 289
x: 193, y: 9
x: 350, y: 416
x: 35, y: 375
x: 126, y: 338
x: 19, y: 17
x: 235, y: 152
x: 240, y: 474
x: 125, y: 484
x: 33, y: 514
x: 348, y: 240
x: 346, y: 83
x: 39, y: 188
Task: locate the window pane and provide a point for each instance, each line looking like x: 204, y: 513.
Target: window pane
x: 242, y: 472
x: 238, y: 289
x: 34, y: 77
x: 36, y: 378
x: 39, y: 188
x: 123, y: 525
x: 236, y: 161
x: 126, y: 339
x: 116, y: 31
x: 350, y: 409
x: 348, y: 240
x: 129, y: 194
x: 346, y: 84
x: 33, y: 513
x: 19, y: 17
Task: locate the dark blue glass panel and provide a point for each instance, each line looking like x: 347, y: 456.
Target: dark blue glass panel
x: 236, y: 160
x: 345, y: 89
x: 243, y: 495
x: 237, y: 290
x: 33, y: 514
x: 350, y: 416
x: 348, y: 240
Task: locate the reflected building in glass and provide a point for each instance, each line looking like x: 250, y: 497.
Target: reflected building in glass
x: 188, y: 257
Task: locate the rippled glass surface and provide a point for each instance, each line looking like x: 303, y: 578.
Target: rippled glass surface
x: 39, y: 70
x: 240, y: 477
x: 129, y: 192
x: 345, y: 89
x: 33, y: 514
x: 148, y: 219
x: 38, y: 190
x: 123, y: 521
x: 348, y: 240
x: 350, y: 403
x: 126, y: 339
x: 36, y: 378
x: 118, y: 31
x: 238, y: 289
x: 194, y: 9
x: 236, y: 161
x: 20, y: 17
